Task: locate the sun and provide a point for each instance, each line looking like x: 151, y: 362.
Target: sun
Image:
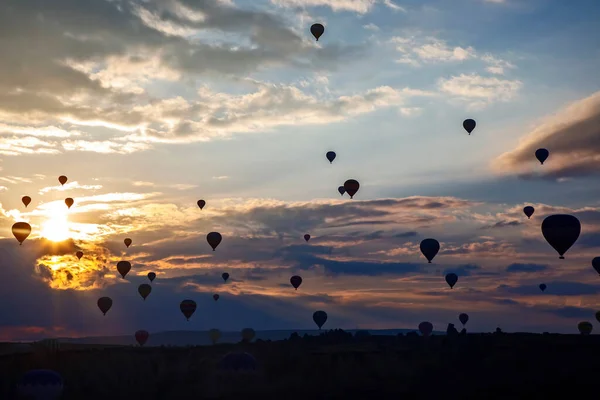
x: 56, y: 228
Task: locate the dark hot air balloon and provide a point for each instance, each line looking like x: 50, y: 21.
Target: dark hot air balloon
x: 320, y: 317
x: 151, y: 276
x: 104, y: 304
x: 201, y: 204
x: 215, y: 297
x: 469, y: 125
x: 40, y: 384
x: 225, y: 276
x: 187, y: 307
x: 123, y: 267
x: 451, y: 279
x: 21, y: 231
x: 596, y: 264
x: 351, y: 186
x: 429, y: 248
x: 585, y: 328
x: 62, y: 179
x: 69, y: 202
x: 127, y: 242
x: 307, y: 237
x: 79, y: 254
x: 248, y: 334
x: 26, y: 200
x: 144, y: 290
x: 598, y: 316
x: 542, y: 155
x: 543, y: 286
x: 561, y: 231
x: 342, y: 190
x: 425, y: 328
x: 528, y: 210
x: 463, y: 318
x: 317, y: 30
x: 330, y: 156
x: 141, y: 337
x: 213, y: 239
x: 296, y: 281
x: 214, y: 335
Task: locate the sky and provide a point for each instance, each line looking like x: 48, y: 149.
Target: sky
x: 149, y: 106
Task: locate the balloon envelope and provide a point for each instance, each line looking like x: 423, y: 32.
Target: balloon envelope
x: 213, y: 239
x: 469, y: 125
x: 214, y: 335
x: 144, y: 290
x: 351, y: 186
x: 596, y: 264
x: 307, y: 237
x: 528, y: 211
x: 151, y: 276
x: 561, y: 231
x: 451, y: 279
x: 141, y: 337
x: 127, y: 242
x: 21, y: 231
x: 215, y: 297
x: 542, y: 155
x: 429, y: 248
x: 585, y: 328
x: 79, y: 254
x: 425, y: 328
x: 317, y: 30
x: 187, y: 307
x: 26, y: 200
x: 341, y: 190
x: 463, y: 318
x: 598, y: 316
x: 62, y: 179
x: 542, y: 286
x: 225, y: 276
x: 40, y: 384
x: 123, y: 267
x: 248, y: 334
x: 296, y: 281
x: 69, y: 202
x: 320, y: 317
x: 330, y: 156
x: 201, y: 204
x: 104, y: 304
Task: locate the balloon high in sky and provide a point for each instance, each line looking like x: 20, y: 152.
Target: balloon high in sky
x: 317, y: 30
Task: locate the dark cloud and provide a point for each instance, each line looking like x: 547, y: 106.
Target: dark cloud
x: 560, y: 288
x: 409, y: 234
x: 570, y: 312
x: 503, y: 224
x: 463, y: 270
x: 526, y: 267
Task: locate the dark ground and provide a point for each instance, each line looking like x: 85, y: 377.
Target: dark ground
x: 335, y: 365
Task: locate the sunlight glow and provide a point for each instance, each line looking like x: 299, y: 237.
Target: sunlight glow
x: 56, y: 228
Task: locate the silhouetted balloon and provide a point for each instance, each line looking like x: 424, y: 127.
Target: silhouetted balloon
x: 201, y: 204
x: 62, y: 179
x: 330, y: 156
x: 341, y: 190
x: 144, y: 290
x: 307, y: 237
x: 26, y: 200
x: 187, y: 307
x: 429, y: 248
x: 237, y: 362
x: 425, y: 328
x: 69, y: 202
x: 463, y: 318
x: 596, y: 264
x: 469, y: 125
x: 104, y: 304
x: 561, y: 231
x: 585, y: 328
x: 225, y: 276
x: 151, y: 276
x: 21, y: 231
x: 296, y: 281
x: 320, y: 317
x: 213, y: 239
x: 351, y: 186
x: 543, y: 286
x: 79, y: 254
x: 141, y: 337
x: 215, y: 297
x: 542, y: 155
x: 317, y: 30
x: 528, y: 211
x: 248, y: 334
x: 127, y: 242
x: 123, y: 267
x: 40, y: 384
x: 451, y: 279
x: 598, y: 316
x: 214, y: 335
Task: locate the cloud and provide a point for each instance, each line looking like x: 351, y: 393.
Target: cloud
x: 559, y: 288
x: 357, y: 6
x: 572, y: 137
x: 526, y: 268
x: 478, y: 91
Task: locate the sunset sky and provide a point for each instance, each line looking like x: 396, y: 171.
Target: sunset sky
x: 148, y: 106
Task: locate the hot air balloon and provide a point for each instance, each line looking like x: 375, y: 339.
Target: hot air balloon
x: 342, y: 190
x: 141, y: 337
x: 127, y: 242
x: 320, y: 317
x: 144, y: 290
x: 79, y: 254
x: 451, y: 279
x: 425, y: 328
x: 542, y: 155
x: 330, y: 156
x: 598, y: 316
x: 201, y: 204
x: 123, y: 267
x: 235, y: 361
x: 596, y: 264
x: 213, y: 239
x: 69, y: 202
x: 469, y: 125
x: 351, y: 186
x: 151, y: 276
x: 561, y: 231
x: 104, y: 304
x: 585, y: 328
x: 40, y: 384
x: 225, y: 276
x: 62, y: 179
x: 317, y: 30
x: 187, y: 307
x: 26, y: 200
x: 296, y: 281
x: 463, y: 318
x: 215, y: 297
x: 543, y: 286
x: 214, y: 335
x: 248, y: 334
x: 429, y: 248
x: 307, y: 237
x: 528, y: 211
x: 21, y: 231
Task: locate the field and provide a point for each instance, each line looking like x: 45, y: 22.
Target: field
x: 334, y: 365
